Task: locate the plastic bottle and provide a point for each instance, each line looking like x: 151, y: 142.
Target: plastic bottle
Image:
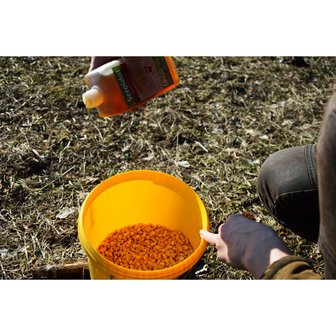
x: 115, y: 88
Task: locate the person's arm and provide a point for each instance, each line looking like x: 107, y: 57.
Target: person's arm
x: 290, y: 268
x: 255, y: 247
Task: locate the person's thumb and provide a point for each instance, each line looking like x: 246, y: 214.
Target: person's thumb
x: 208, y: 236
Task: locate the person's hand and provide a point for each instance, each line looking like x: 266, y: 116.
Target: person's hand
x: 131, y: 62
x: 246, y: 244
x: 97, y: 61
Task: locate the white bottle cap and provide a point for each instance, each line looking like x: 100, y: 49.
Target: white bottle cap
x: 93, y: 97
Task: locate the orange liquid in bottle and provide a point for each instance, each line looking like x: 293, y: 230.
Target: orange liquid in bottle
x: 117, y: 87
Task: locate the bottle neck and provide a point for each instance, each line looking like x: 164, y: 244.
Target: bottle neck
x: 93, y: 97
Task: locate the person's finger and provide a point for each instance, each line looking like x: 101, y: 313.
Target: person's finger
x: 208, y: 236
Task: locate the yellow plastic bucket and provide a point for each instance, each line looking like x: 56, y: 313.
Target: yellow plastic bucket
x: 140, y: 196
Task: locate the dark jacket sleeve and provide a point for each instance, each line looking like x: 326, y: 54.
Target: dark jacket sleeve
x: 291, y: 267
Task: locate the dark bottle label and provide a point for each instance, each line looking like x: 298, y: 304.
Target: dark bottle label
x: 126, y: 84
x: 142, y: 78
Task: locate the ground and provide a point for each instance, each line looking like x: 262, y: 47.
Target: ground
x: 213, y: 131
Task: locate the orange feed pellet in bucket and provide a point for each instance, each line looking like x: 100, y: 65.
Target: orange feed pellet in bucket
x: 154, y: 203
x: 145, y: 247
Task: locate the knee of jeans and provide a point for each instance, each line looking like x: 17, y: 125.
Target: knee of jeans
x: 275, y: 178
x: 284, y: 172
x: 265, y: 181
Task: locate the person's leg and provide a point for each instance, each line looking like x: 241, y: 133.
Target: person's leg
x: 326, y: 163
x: 287, y: 186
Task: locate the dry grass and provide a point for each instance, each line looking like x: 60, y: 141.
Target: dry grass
x: 227, y: 116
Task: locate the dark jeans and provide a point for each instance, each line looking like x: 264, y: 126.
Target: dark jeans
x: 287, y: 186
x: 298, y: 187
